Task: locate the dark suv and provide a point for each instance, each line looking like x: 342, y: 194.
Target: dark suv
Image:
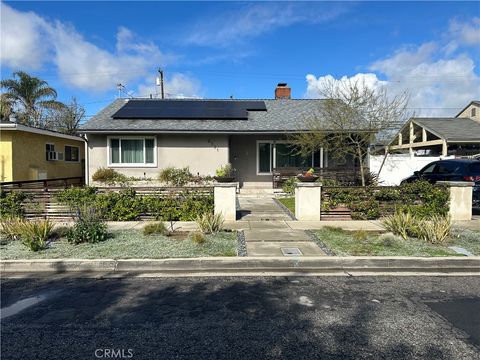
x: 451, y: 170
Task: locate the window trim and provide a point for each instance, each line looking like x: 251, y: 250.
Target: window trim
x: 128, y: 165
x: 65, y: 154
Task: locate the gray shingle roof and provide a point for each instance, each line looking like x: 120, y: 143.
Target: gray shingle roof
x: 452, y: 129
x: 282, y: 115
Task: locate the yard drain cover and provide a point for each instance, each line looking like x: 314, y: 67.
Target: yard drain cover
x: 293, y: 251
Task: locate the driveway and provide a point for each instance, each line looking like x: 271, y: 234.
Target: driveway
x: 242, y: 318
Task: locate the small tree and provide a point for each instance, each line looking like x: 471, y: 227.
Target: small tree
x: 349, y: 119
x: 67, y: 119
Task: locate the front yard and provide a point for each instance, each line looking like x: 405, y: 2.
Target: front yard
x: 362, y: 243
x: 127, y: 244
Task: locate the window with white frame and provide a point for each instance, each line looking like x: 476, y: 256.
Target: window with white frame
x: 132, y: 151
x: 72, y: 153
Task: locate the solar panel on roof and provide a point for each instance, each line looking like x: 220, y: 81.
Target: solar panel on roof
x: 188, y: 109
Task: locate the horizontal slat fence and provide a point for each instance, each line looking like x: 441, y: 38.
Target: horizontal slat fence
x: 42, y: 202
x: 342, y: 212
x: 60, y: 183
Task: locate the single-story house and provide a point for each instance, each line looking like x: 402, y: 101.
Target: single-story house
x: 29, y: 153
x: 139, y: 137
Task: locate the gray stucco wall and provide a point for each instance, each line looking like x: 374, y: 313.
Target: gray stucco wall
x: 203, y: 154
x: 243, y: 156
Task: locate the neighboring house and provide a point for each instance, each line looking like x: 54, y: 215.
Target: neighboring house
x: 423, y: 140
x: 28, y: 153
x: 139, y: 137
x: 441, y: 136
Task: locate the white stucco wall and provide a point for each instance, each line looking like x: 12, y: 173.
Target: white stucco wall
x: 203, y: 154
x: 397, y: 167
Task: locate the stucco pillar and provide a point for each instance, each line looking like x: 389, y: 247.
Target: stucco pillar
x: 225, y: 200
x: 308, y: 201
x: 461, y: 193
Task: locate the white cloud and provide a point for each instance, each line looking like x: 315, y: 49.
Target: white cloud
x: 29, y: 41
x: 439, y: 84
x: 314, y: 84
x: 177, y: 86
x: 255, y: 19
x: 21, y: 37
x: 463, y: 33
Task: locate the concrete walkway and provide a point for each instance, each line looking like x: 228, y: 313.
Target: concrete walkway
x: 269, y: 233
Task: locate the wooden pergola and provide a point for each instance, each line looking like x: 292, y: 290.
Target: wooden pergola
x: 426, y: 133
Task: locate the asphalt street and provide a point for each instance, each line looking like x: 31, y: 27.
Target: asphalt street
x: 241, y: 318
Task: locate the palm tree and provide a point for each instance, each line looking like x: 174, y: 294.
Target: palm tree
x: 31, y: 95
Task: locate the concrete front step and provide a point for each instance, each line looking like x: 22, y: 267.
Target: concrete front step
x: 275, y: 248
x: 275, y: 235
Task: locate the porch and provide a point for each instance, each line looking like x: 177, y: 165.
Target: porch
x: 266, y: 161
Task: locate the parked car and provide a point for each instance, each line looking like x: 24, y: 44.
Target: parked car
x: 451, y: 170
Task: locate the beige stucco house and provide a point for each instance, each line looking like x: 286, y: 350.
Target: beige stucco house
x: 139, y: 137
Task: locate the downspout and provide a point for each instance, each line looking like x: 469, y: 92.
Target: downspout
x: 87, y: 176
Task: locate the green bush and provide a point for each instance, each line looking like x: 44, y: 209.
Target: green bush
x: 288, y: 186
x: 155, y: 228
x: 225, y: 171
x: 88, y: 228
x: 76, y: 197
x: 175, y: 176
x: 420, y: 198
x: 124, y: 205
x: 35, y: 234
x: 197, y: 237
x: 109, y: 176
x: 127, y: 205
x: 209, y: 223
x: 11, y: 204
x: 365, y: 210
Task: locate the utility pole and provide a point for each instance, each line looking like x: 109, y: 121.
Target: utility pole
x: 160, y: 71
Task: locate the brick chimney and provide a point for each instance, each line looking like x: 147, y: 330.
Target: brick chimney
x: 282, y: 91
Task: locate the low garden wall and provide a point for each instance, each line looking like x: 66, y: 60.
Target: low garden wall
x: 368, y: 203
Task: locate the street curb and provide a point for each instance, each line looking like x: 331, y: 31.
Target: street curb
x: 245, y: 265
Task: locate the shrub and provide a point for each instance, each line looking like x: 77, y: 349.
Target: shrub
x: 88, y: 228
x: 119, y: 206
x: 436, y: 230
x: 225, y: 171
x: 210, y: 223
x: 176, y: 177
x: 109, y: 176
x: 76, y: 197
x: 11, y: 228
x: 35, y: 234
x: 365, y: 210
x: 197, y: 237
x: 289, y: 186
x: 155, y: 228
x: 11, y: 204
x: 388, y: 239
x: 402, y: 224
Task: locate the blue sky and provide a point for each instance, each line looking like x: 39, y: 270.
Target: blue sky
x: 242, y: 49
